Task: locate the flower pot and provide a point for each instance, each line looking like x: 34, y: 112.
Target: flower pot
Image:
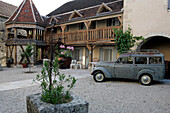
x: 35, y: 105
x: 24, y: 65
x: 65, y: 62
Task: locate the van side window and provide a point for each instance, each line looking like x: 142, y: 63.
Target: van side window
x: 155, y: 60
x: 125, y: 60
x: 141, y: 60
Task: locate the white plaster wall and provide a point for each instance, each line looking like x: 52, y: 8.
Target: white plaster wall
x: 147, y: 17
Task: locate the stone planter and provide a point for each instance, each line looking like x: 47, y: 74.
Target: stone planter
x: 35, y: 105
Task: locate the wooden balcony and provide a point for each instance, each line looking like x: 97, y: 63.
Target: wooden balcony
x: 104, y: 35
x: 15, y: 42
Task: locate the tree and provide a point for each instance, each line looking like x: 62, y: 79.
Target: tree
x: 125, y: 40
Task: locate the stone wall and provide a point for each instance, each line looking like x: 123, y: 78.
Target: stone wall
x: 2, y: 43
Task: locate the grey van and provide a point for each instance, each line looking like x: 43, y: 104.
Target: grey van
x: 145, y: 66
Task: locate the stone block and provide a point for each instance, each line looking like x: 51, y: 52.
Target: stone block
x: 35, y: 105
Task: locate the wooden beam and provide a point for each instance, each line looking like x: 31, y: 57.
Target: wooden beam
x: 34, y: 33
x: 6, y: 51
x: 11, y: 51
x: 63, y: 27
x: 91, y: 48
x: 120, y: 19
x: 15, y: 55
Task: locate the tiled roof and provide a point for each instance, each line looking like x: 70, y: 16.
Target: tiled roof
x: 26, y: 13
x: 6, y: 9
x: 77, y: 4
x: 90, y: 12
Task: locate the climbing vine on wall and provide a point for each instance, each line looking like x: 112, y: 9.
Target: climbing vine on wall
x: 125, y: 40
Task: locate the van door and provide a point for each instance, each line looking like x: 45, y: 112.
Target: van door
x: 124, y: 68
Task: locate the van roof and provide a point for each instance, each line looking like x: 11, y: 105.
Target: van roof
x: 142, y: 53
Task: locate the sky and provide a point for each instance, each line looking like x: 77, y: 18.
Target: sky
x: 44, y: 6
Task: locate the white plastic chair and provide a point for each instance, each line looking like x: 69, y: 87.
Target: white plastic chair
x: 73, y: 64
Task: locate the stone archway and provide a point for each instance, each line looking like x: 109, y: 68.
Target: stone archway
x: 162, y: 44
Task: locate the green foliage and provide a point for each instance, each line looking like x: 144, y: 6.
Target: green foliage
x: 55, y: 93
x: 28, y: 51
x: 125, y: 40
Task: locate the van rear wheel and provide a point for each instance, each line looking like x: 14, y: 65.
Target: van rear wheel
x: 98, y: 76
x: 145, y: 79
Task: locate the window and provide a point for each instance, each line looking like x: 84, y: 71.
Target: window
x: 82, y: 26
x: 67, y: 29
x: 93, y: 25
x: 125, y: 60
x: 168, y: 4
x: 77, y: 54
x: 141, y: 60
x: 113, y: 22
x: 155, y: 60
x: 26, y: 10
x: 106, y: 54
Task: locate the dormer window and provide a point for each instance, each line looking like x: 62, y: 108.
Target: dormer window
x: 104, y: 8
x: 75, y: 14
x: 26, y: 10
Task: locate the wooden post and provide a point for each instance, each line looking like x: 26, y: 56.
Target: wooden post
x: 87, y: 24
x: 27, y: 33
x: 6, y: 33
x: 121, y: 20
x: 15, y: 32
x: 6, y: 51
x: 34, y: 34
x: 63, y: 27
x: 91, y: 48
x: 15, y: 55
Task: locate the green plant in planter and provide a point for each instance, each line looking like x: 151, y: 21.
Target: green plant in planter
x: 55, y: 92
x: 125, y: 40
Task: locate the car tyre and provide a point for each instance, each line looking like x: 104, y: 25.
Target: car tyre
x: 99, y: 77
x: 145, y: 79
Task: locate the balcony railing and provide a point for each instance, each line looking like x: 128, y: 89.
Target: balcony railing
x: 85, y: 35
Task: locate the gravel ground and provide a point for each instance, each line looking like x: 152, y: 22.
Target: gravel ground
x: 107, y: 97
x: 17, y: 74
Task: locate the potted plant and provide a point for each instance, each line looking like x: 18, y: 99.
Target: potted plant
x: 55, y: 98
x: 24, y: 65
x: 65, y: 56
x: 27, y: 54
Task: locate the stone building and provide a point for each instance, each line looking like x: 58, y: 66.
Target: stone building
x: 150, y: 19
x: 88, y: 26
x: 6, y: 11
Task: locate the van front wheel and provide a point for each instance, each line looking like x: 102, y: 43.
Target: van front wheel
x: 98, y: 76
x: 145, y: 79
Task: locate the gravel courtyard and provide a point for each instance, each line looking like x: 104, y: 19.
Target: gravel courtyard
x: 118, y: 96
